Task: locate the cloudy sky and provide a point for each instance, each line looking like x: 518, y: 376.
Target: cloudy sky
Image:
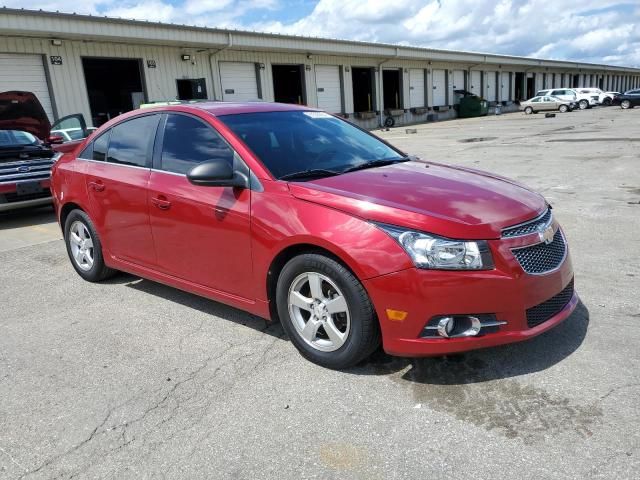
x: 599, y: 31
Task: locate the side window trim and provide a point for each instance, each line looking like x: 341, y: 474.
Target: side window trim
x: 157, y: 153
x: 149, y: 160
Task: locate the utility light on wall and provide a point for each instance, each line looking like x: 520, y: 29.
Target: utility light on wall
x: 261, y: 65
x: 56, y: 43
x: 185, y: 57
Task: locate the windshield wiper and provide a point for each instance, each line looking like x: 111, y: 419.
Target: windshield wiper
x: 313, y: 172
x: 376, y: 163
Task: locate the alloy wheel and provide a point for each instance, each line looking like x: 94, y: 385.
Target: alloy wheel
x: 81, y: 245
x: 319, y: 311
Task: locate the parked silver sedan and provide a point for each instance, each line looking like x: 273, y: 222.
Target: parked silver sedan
x: 546, y: 103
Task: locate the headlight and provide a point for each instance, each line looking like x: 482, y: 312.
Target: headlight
x: 56, y: 156
x: 430, y: 251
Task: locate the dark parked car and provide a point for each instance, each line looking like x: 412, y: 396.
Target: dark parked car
x: 628, y: 99
x: 27, y: 150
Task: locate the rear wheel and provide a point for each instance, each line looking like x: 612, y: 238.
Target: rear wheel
x: 583, y: 104
x: 84, y: 247
x: 563, y: 108
x: 625, y: 104
x: 528, y: 110
x: 326, y: 311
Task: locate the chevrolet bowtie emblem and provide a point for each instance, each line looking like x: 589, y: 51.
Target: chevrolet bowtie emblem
x: 546, y: 234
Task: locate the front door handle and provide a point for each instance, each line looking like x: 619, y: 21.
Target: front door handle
x: 161, y: 202
x: 96, y: 186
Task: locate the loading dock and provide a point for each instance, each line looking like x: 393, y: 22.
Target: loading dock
x: 416, y: 88
x: 329, y: 88
x: 392, y: 88
x: 288, y: 84
x: 239, y: 81
x: 364, y: 89
x: 476, y: 83
x: 439, y: 88
x: 114, y: 86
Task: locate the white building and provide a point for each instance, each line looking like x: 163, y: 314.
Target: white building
x: 103, y: 66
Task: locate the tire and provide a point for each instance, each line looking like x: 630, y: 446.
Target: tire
x: 528, y: 110
x: 583, y: 104
x: 563, y: 109
x: 84, y: 247
x: 625, y: 104
x: 338, y: 339
x: 606, y: 102
x: 389, y: 122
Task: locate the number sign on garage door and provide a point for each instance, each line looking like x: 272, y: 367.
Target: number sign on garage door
x: 416, y: 88
x: 239, y: 81
x: 439, y: 88
x: 25, y: 73
x: 328, y: 88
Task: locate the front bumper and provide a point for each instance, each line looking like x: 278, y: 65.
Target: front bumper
x: 506, y: 292
x: 10, y: 199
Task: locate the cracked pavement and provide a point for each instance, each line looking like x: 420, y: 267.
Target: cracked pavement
x: 132, y: 379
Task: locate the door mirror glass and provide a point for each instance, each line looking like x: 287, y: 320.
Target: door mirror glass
x: 216, y: 173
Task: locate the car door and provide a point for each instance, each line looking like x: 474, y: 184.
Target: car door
x: 548, y: 103
x: 201, y: 234
x: 117, y: 177
x: 72, y: 127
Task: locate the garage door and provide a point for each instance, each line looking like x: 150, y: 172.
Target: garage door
x: 439, y: 88
x: 25, y: 73
x: 416, y: 87
x: 476, y: 83
x: 491, y: 86
x: 458, y: 79
x: 239, y: 82
x: 328, y: 87
x: 504, y: 86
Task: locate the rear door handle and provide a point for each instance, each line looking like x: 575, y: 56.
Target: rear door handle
x: 161, y: 202
x: 96, y: 186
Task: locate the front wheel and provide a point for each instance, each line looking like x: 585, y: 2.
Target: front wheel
x: 583, y: 104
x: 606, y: 102
x: 326, y: 311
x: 625, y: 104
x: 528, y: 110
x: 84, y: 247
x: 563, y: 108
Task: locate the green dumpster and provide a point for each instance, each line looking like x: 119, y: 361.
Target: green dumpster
x: 471, y: 105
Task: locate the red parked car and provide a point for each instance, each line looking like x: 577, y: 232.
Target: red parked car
x: 293, y: 214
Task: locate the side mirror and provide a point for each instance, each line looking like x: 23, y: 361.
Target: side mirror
x: 216, y: 173
x: 55, y: 140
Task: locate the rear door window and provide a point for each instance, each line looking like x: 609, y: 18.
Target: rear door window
x: 131, y: 142
x: 188, y: 142
x: 98, y: 149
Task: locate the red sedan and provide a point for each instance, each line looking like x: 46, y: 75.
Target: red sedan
x: 296, y: 215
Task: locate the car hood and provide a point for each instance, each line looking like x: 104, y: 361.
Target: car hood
x: 450, y: 201
x: 23, y: 111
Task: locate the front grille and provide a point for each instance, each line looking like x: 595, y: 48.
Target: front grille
x: 542, y: 257
x: 545, y: 310
x: 528, y: 227
x: 34, y: 169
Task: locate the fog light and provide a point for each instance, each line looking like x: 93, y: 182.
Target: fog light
x: 449, y: 327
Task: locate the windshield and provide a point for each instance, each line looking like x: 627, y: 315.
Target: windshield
x: 16, y: 138
x: 293, y: 141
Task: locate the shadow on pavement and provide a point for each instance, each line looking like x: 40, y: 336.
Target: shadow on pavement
x: 477, y: 366
x: 27, y: 217
x: 202, y: 304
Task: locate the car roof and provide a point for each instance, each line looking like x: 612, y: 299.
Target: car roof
x: 228, y: 108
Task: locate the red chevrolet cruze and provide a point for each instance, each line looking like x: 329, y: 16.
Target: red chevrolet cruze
x: 293, y: 214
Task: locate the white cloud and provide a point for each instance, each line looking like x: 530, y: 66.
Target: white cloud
x: 587, y: 30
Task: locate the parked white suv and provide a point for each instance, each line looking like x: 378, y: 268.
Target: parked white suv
x: 607, y: 97
x: 584, y: 100
x: 595, y: 93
